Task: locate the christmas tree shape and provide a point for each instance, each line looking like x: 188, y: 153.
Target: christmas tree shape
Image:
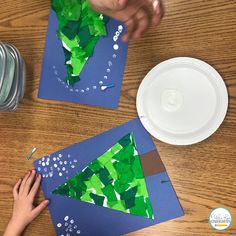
x: 79, y: 30
x: 114, y: 180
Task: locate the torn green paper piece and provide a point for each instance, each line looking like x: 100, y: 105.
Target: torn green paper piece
x: 79, y: 30
x: 114, y: 180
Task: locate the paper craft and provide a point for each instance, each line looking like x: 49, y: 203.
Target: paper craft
x: 114, y: 180
x: 73, y: 216
x: 84, y: 54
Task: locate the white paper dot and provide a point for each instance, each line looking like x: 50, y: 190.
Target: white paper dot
x: 100, y: 82
x: 55, y: 165
x: 54, y: 158
x: 45, y: 169
x: 114, y: 56
x: 43, y: 158
x: 47, y: 163
x: 66, y: 218
x: 60, y: 174
x: 58, y: 158
x: 70, y: 229
x: 78, y: 232
x: 51, y: 174
x: 108, y: 70
x: 69, y: 155
x: 67, y: 234
x: 116, y: 46
x: 60, y: 155
x: 60, y: 162
x: 58, y: 168
x: 71, y: 90
x: 75, y: 161
x: 59, y: 225
x: 120, y: 28
x: 105, y: 77
x: 43, y: 164
x: 43, y: 176
x: 75, y: 227
x: 77, y: 90
x: 115, y: 38
x: 39, y: 168
x: 63, y: 168
x: 40, y: 162
x: 65, y: 162
x: 109, y: 63
x: 94, y: 87
x: 46, y: 175
x: 72, y: 221
x: 51, y: 168
x: 87, y: 89
x: 67, y: 172
x: 72, y: 166
x: 82, y: 91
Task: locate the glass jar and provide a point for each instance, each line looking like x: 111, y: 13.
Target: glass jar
x: 12, y: 77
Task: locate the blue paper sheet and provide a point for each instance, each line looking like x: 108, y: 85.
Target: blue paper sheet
x: 105, y: 67
x: 73, y: 217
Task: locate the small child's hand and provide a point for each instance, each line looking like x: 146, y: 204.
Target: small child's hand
x: 136, y: 14
x: 24, y: 212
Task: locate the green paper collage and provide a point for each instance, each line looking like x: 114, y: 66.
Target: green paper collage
x: 114, y: 180
x: 79, y: 30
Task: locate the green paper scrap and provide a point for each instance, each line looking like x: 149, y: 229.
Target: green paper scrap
x: 114, y: 180
x: 79, y: 30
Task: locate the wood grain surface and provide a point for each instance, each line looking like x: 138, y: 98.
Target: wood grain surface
x: 203, y: 175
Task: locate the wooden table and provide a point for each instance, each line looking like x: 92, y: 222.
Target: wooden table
x: 203, y: 175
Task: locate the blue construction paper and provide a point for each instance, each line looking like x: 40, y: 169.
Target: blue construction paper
x: 88, y: 219
x: 105, y: 67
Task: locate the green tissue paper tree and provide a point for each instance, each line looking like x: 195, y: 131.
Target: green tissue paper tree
x: 114, y: 180
x: 79, y: 30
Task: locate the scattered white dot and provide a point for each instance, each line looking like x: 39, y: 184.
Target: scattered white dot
x: 65, y: 162
x: 67, y: 172
x: 47, y: 163
x: 43, y: 158
x: 120, y: 28
x: 60, y: 174
x: 117, y: 33
x: 78, y: 232
x: 66, y: 224
x: 43, y: 176
x: 40, y: 162
x: 72, y: 221
x: 58, y: 158
x: 67, y: 86
x: 115, y: 38
x: 51, y: 174
x: 63, y: 82
x: 75, y: 161
x: 105, y: 77
x: 43, y: 164
x: 70, y: 229
x: 70, y: 162
x: 60, y: 162
x: 69, y: 155
x: 45, y: 169
x: 72, y: 90
x: 39, y: 168
x: 114, y: 56
x: 87, y: 89
x: 77, y: 90
x: 59, y: 225
x: 72, y: 166
x: 63, y: 168
x: 58, y: 168
x: 54, y: 67
x: 108, y: 70
x: 116, y: 46
x: 67, y: 234
x: 55, y: 165
x: 66, y: 218
x: 67, y: 178
x: 75, y: 227
x: 60, y: 155
x: 46, y: 175
x: 100, y: 82
x: 51, y: 168
x: 94, y: 87
x: 109, y: 63
x: 54, y: 158
x: 82, y: 91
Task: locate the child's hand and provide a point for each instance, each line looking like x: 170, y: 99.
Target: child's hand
x: 24, y: 212
x: 136, y: 14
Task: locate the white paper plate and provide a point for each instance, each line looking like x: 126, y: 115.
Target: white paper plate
x: 182, y: 101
